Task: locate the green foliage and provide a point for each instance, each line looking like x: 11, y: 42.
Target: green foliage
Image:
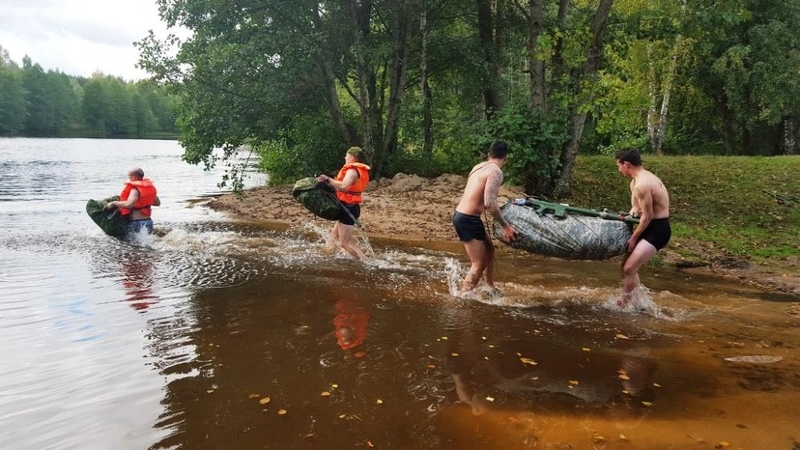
x: 38, y: 103
x: 534, y: 145
x: 311, y: 146
x: 13, y: 106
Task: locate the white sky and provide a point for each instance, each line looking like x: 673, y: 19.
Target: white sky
x: 79, y: 37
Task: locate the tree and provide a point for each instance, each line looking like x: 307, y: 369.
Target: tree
x: 13, y: 106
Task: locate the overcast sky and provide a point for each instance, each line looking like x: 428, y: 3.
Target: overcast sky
x: 79, y: 37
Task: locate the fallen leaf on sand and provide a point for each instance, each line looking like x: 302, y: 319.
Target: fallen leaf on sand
x: 264, y: 400
x: 282, y: 412
x: 254, y: 396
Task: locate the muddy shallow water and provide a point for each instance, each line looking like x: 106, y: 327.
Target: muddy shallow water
x: 216, y: 334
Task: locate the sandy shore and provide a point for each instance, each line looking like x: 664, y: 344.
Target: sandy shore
x: 409, y: 207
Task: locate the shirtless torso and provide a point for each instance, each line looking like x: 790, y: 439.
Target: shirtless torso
x: 648, y: 194
x: 482, y: 188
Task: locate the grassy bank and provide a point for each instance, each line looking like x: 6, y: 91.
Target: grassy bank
x: 719, y: 206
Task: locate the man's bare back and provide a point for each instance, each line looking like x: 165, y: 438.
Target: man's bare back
x: 481, y: 190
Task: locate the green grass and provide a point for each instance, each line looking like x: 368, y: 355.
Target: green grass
x: 717, y: 203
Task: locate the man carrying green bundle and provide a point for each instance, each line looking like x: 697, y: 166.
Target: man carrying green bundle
x: 349, y: 183
x: 136, y: 200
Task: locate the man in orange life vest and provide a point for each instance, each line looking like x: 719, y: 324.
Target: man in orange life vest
x: 349, y: 183
x: 136, y: 200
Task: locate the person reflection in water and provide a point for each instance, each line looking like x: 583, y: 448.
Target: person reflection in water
x: 137, y: 279
x: 351, y: 323
x: 527, y: 377
x: 136, y: 201
x: 473, y: 375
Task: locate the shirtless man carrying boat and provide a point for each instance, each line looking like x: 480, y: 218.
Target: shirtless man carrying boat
x: 649, y: 201
x: 480, y: 195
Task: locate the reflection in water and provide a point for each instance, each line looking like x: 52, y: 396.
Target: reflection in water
x: 243, y: 322
x: 138, y: 278
x: 351, y: 321
x: 541, y: 376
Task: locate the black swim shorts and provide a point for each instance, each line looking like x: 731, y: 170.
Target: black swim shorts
x: 355, y: 210
x: 658, y: 233
x: 469, y: 227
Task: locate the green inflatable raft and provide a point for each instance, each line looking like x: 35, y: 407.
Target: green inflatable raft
x: 111, y: 222
x: 319, y: 198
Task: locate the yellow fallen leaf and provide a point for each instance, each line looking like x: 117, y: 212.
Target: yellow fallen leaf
x: 519, y: 354
x: 483, y: 337
x: 491, y: 399
x: 491, y: 345
x: 722, y: 444
x: 622, y: 336
x: 264, y: 400
x: 625, y: 391
x: 599, y: 437
x: 454, y: 354
x: 656, y: 385
x: 573, y: 382
x: 528, y: 361
x: 342, y: 416
x: 210, y: 391
x: 647, y: 403
x: 334, y: 386
x: 586, y: 349
x: 622, y: 376
x: 431, y: 366
x: 325, y: 394
x: 370, y: 444
x: 623, y: 437
x: 444, y: 338
x: 254, y: 396
x: 379, y: 401
x: 282, y: 412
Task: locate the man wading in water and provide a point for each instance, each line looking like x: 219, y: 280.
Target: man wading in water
x: 480, y: 195
x: 649, y: 201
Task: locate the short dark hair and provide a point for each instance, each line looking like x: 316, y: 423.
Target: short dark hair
x: 498, y: 149
x: 629, y: 155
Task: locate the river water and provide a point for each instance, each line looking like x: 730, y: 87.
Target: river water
x: 218, y: 334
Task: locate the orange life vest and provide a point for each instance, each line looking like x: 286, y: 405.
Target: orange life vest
x: 352, y: 195
x: 147, y: 196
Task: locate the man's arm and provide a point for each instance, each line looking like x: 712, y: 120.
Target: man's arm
x: 635, y: 210
x: 644, y: 200
x: 350, y: 177
x: 129, y: 203
x: 490, y: 192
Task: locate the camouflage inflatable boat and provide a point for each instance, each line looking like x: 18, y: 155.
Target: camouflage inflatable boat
x: 563, y: 231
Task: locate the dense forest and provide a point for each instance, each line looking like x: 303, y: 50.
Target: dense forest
x: 53, y: 104
x: 423, y: 84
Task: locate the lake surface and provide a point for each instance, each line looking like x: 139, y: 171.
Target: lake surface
x: 218, y: 334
